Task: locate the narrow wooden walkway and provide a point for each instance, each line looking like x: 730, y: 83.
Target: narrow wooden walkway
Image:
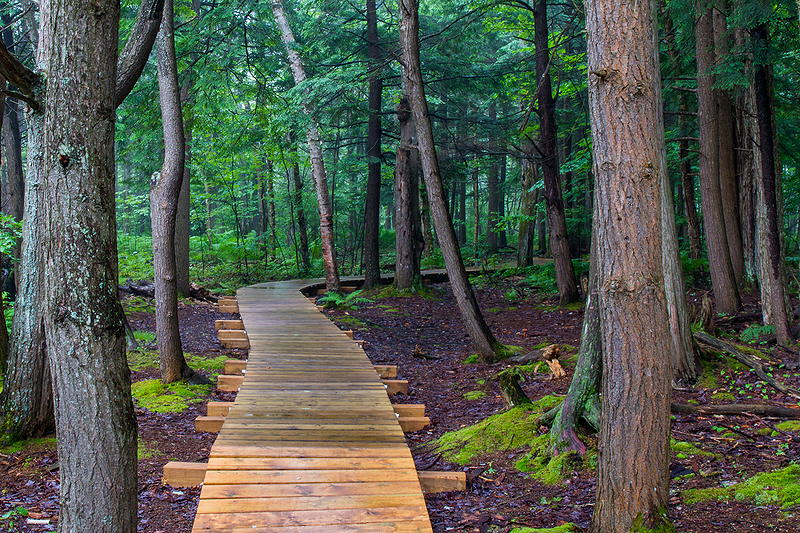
x: 311, y: 443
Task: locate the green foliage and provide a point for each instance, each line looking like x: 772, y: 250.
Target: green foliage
x: 542, y: 278
x: 335, y: 300
x: 144, y: 336
x: 145, y: 451
x: 139, y: 360
x: 684, y: 450
x: 214, y: 365
x: 10, y: 232
x: 8, y: 311
x: 138, y: 304
x: 754, y: 331
x: 153, y: 395
x: 789, y: 425
x: 565, y: 528
x: 474, y: 395
x: 29, y: 446
x: 350, y: 321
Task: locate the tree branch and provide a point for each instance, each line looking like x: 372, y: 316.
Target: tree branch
x: 16, y: 73
x: 137, y: 49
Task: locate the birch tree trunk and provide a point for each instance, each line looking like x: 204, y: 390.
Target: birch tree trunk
x: 315, y: 152
x: 628, y: 161
x: 482, y: 338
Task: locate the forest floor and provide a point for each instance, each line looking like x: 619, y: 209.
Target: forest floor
x: 724, y: 457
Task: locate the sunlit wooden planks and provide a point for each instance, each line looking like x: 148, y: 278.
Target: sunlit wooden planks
x: 312, y: 442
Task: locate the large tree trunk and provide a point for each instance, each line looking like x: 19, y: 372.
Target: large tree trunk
x: 302, y: 228
x: 629, y: 164
x: 774, y: 273
x: 482, y: 338
x: 556, y: 219
x: 527, y: 224
x: 315, y: 152
x: 409, y: 242
x: 165, y: 188
x: 83, y: 319
x: 182, y: 226
x: 723, y: 278
x: 372, y: 267
x: 492, y: 192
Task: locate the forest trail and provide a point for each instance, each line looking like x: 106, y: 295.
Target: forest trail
x: 312, y: 442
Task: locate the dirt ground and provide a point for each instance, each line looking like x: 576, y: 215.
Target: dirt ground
x: 499, y: 497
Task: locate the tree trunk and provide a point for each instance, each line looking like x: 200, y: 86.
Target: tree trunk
x: 409, y: 242
x: 492, y: 175
x: 482, y: 338
x: 273, y: 237
x: 182, y: 226
x: 305, y: 260
x: 83, y: 319
x: 372, y: 267
x: 462, y: 212
x: 165, y: 189
x: 315, y: 152
x: 476, y: 213
x: 556, y: 218
x: 424, y: 207
x: 723, y: 278
x: 629, y: 164
x: 774, y: 273
x: 527, y: 223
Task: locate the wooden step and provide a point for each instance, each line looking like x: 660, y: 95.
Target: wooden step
x: 386, y: 371
x: 232, y: 334
x: 219, y: 408
x: 396, y: 386
x: 228, y: 306
x: 408, y: 409
x: 209, y: 424
x: 410, y: 424
x: 234, y: 367
x: 229, y: 383
x: 228, y: 324
x: 349, y: 333
x: 243, y: 344
x: 184, y: 474
x: 361, y: 343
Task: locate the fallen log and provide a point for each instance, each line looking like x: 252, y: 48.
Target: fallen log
x: 737, y: 409
x: 748, y: 361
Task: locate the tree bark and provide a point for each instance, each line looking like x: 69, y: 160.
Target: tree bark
x: 483, y: 340
x: 723, y: 278
x: 556, y: 219
x: 83, y: 320
x: 527, y: 224
x: 165, y: 187
x: 372, y: 267
x: 332, y: 282
x: 302, y: 228
x: 182, y: 225
x: 492, y: 193
x: 775, y: 275
x: 133, y: 57
x: 409, y: 242
x: 628, y: 161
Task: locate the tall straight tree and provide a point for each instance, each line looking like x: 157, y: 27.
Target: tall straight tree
x: 723, y: 279
x: 409, y: 242
x: 629, y: 164
x: 480, y: 334
x: 556, y: 218
x: 372, y: 267
x: 315, y: 151
x: 26, y: 402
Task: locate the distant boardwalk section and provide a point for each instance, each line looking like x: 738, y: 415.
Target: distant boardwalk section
x: 312, y: 443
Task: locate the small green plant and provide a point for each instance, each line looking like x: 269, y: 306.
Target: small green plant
x: 16, y: 512
x: 153, y: 395
x: 335, y: 300
x: 144, y: 336
x: 754, y: 331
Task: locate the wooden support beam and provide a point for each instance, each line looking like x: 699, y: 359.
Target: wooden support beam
x: 320, y: 308
x: 361, y: 343
x: 229, y: 383
x: 406, y: 409
x: 396, y: 386
x: 209, y: 424
x: 234, y: 367
x: 228, y: 324
x: 349, y: 333
x: 433, y: 482
x: 386, y: 371
x: 184, y: 474
x: 410, y: 424
x: 219, y: 408
x: 232, y: 334
x: 236, y: 343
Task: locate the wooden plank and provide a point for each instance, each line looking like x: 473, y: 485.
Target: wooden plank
x: 307, y: 489
x: 331, y: 518
x: 209, y: 424
x: 224, y: 477
x: 386, y: 371
x: 229, y: 383
x: 232, y: 334
x: 349, y: 333
x: 184, y: 474
x: 228, y: 324
x: 396, y: 386
x: 243, y: 344
x: 408, y: 526
x: 433, y: 482
x: 258, y: 505
x: 413, y: 423
x: 306, y: 463
x: 235, y: 366
x: 407, y: 409
x: 218, y: 408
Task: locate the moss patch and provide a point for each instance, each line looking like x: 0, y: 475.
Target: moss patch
x: 475, y: 395
x: 472, y: 359
x: 30, y: 446
x: 139, y: 360
x: 214, y: 366
x: 781, y: 488
x: 512, y: 429
x: 153, y: 395
x: 144, y: 336
x: 684, y: 450
x: 789, y: 425
x: 144, y: 451
x: 723, y: 396
x: 350, y: 321
x: 565, y: 528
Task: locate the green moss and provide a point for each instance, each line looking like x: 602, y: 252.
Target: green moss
x: 565, y: 528
x: 138, y: 304
x: 29, y: 445
x: 144, y: 336
x: 475, y: 395
x: 765, y: 431
x: 686, y: 449
x: 472, y: 359
x: 153, y: 395
x: 481, y: 382
x: 144, y: 451
x: 723, y: 396
x: 708, y: 377
x: 789, y: 425
x: 139, y: 360
x: 493, y: 310
x: 215, y: 365
x: 509, y: 350
x: 663, y: 525
x: 781, y: 488
x: 350, y: 321
x: 390, y: 291
x: 512, y: 429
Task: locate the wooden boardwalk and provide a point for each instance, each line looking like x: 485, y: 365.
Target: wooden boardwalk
x: 311, y: 443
